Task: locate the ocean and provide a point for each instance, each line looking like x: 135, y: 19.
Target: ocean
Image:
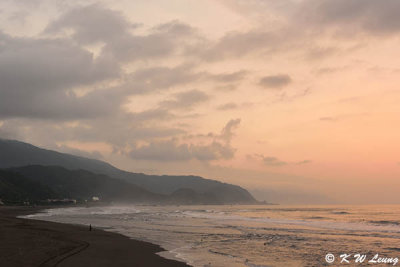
x: 253, y: 236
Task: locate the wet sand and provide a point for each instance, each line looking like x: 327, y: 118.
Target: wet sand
x: 25, y: 242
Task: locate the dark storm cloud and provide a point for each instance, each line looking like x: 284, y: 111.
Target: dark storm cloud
x: 275, y: 81
x: 172, y: 150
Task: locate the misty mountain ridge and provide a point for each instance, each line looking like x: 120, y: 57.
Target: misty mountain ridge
x: 185, y: 189
x: 36, y: 183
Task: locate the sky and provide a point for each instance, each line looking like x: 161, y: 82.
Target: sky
x: 295, y: 100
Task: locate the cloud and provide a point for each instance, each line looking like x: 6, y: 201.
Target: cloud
x: 303, y: 162
x: 167, y: 41
x: 171, y: 150
x: 118, y: 131
x: 150, y: 115
x: 352, y: 16
x: 228, y: 131
x: 78, y: 152
x: 327, y: 119
x: 185, y: 100
x: 37, y: 76
x: 329, y: 70
x: 175, y: 28
x: 36, y: 85
x: 343, y: 116
x: 285, y: 97
x: 228, y: 77
x: 239, y: 44
x: 303, y: 26
x: 228, y: 106
x: 226, y: 88
x: 317, y: 52
x: 148, y: 80
x: 151, y: 79
x: 233, y: 106
x: 275, y: 81
x: 92, y: 24
x: 272, y: 161
x: 275, y: 162
x: 370, y: 16
x: 162, y: 151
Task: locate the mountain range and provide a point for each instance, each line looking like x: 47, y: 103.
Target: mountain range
x: 59, y: 175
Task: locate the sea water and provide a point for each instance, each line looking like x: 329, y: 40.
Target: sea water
x: 256, y: 235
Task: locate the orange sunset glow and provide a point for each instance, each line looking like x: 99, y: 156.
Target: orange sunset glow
x: 295, y: 100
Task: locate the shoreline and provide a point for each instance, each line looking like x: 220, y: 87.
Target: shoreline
x: 27, y: 242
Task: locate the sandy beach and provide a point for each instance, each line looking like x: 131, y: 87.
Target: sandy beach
x: 27, y: 242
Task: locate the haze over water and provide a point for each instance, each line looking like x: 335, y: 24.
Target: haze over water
x: 250, y: 235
